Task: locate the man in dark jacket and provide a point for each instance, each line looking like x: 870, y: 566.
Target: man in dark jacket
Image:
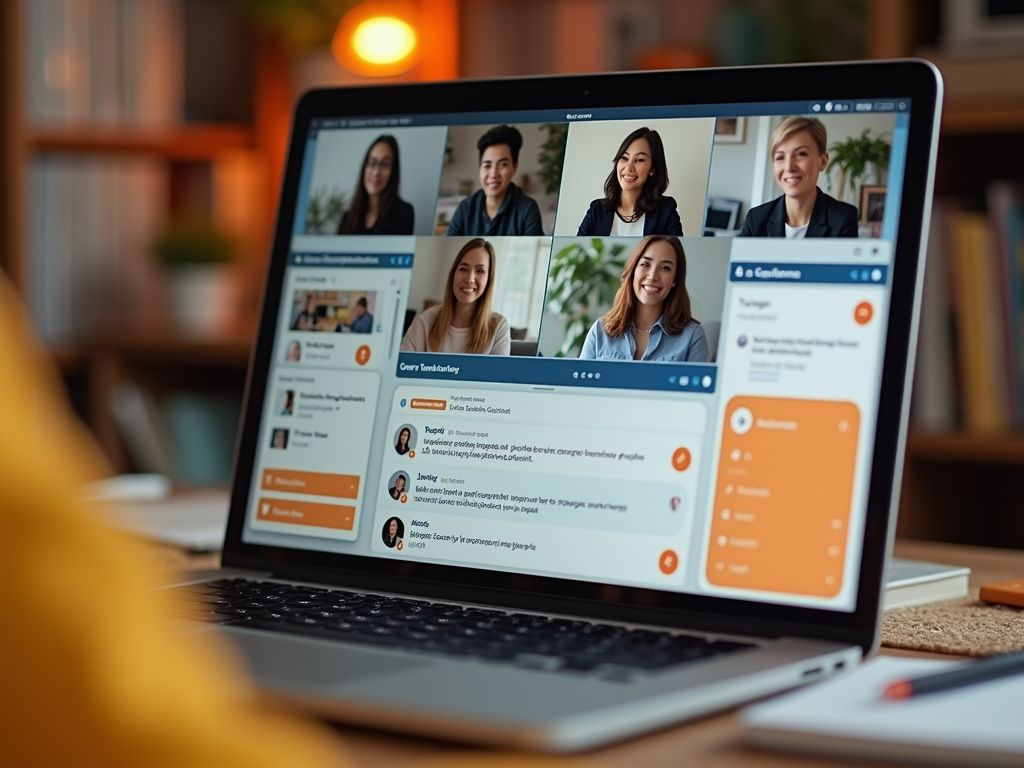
x: 499, y: 207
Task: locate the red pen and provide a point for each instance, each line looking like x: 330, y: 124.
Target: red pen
x: 987, y: 669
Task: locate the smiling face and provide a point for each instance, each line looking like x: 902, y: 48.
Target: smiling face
x: 393, y: 528
x: 634, y: 166
x: 400, y: 482
x: 797, y: 162
x: 655, y: 273
x: 377, y: 171
x: 403, y: 437
x: 471, y: 275
x: 497, y: 170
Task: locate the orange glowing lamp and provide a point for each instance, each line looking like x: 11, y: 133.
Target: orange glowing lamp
x: 377, y: 39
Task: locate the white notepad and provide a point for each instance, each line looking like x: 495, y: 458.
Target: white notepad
x: 978, y: 725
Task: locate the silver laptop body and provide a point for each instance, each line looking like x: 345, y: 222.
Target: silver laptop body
x: 745, y: 493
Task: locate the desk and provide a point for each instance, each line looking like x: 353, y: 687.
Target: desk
x: 709, y: 743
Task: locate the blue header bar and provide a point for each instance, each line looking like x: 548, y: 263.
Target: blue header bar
x: 559, y: 372
x: 357, y: 260
x: 571, y: 115
x: 745, y: 272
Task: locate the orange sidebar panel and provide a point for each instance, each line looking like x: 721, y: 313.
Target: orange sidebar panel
x: 783, y: 495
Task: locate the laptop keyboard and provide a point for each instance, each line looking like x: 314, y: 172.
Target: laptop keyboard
x: 419, y: 625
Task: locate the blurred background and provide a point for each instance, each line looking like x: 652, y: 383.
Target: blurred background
x: 143, y: 144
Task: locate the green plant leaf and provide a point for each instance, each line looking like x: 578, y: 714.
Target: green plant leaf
x: 583, y: 275
x: 324, y: 211
x: 551, y: 157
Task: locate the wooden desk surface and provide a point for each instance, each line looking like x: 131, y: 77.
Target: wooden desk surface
x: 713, y: 742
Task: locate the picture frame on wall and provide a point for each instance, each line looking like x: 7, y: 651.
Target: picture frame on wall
x: 872, y: 203
x: 730, y: 130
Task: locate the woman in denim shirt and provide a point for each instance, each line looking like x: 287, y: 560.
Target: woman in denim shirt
x: 651, y: 317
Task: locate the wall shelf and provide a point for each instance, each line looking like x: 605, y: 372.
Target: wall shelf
x: 966, y: 447
x: 983, y: 117
x: 187, y: 142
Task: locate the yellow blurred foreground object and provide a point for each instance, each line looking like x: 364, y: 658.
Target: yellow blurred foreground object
x: 92, y: 671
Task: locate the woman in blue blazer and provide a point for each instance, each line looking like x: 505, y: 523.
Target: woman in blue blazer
x: 798, y: 157
x: 634, y: 202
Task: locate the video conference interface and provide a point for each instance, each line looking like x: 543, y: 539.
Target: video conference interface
x: 640, y: 350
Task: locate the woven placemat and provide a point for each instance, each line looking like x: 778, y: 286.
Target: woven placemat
x: 965, y: 627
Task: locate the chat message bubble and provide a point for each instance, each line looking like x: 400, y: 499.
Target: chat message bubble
x: 568, y: 552
x: 578, y: 452
x: 596, y: 503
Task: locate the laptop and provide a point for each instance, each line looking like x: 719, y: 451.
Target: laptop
x: 525, y: 458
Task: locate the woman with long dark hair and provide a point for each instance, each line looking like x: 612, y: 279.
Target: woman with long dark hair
x: 402, y: 444
x: 463, y: 322
x: 376, y: 207
x: 651, y: 317
x: 634, y: 201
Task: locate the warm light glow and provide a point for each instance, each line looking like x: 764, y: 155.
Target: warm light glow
x: 378, y: 38
x: 383, y: 40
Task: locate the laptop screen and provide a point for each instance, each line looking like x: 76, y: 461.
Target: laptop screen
x: 638, y: 347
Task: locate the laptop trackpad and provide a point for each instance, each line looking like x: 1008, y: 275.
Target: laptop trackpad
x: 294, y: 661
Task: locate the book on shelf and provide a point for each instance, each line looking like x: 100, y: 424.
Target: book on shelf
x: 106, y: 63
x: 1006, y: 209
x: 92, y: 221
x: 970, y: 371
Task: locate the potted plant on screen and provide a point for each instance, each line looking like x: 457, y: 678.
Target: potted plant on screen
x: 198, y: 258
x: 583, y: 280
x: 324, y: 211
x: 855, y: 158
x: 551, y: 157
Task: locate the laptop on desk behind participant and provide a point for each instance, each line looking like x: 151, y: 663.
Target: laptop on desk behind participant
x: 554, y: 551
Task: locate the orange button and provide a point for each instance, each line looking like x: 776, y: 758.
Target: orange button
x: 668, y: 562
x: 428, y: 405
x: 363, y: 355
x: 313, y: 483
x: 863, y: 313
x: 306, y: 513
x: 681, y: 460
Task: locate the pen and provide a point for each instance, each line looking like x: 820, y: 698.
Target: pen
x: 987, y: 669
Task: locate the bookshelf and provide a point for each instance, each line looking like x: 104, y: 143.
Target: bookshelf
x: 962, y: 486
x: 243, y: 113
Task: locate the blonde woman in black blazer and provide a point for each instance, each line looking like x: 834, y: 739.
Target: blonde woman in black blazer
x: 798, y: 157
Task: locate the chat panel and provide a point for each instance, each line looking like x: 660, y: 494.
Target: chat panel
x: 313, y: 458
x: 534, y: 470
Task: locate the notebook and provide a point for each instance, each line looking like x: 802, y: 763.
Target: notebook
x: 979, y: 725
x: 526, y: 459
x: 916, y: 582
